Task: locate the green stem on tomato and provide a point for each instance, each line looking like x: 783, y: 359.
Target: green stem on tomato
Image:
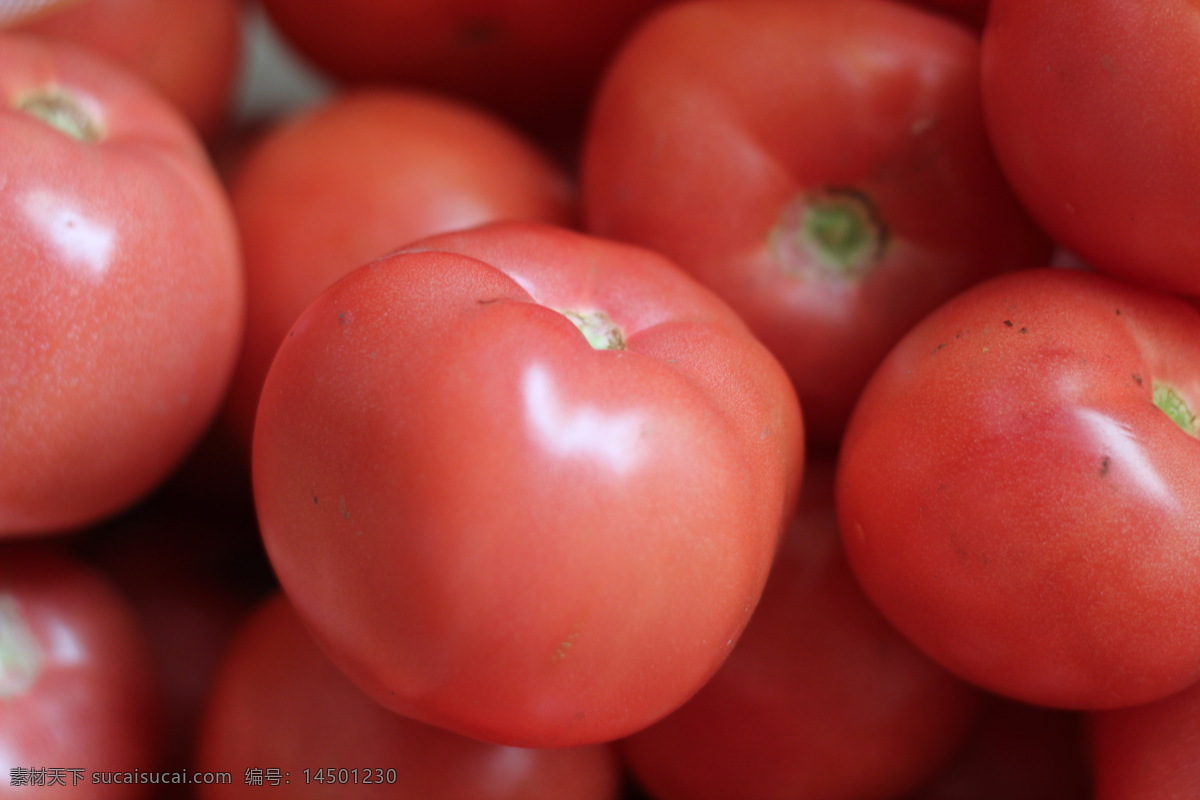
x: 63, y: 112
x: 1175, y: 407
x: 834, y: 232
x: 598, y: 328
x: 20, y: 661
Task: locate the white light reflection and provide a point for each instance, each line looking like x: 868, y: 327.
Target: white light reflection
x: 63, y: 645
x: 1118, y: 439
x: 582, y: 431
x: 79, y: 239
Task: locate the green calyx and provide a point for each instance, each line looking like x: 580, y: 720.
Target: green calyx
x: 598, y: 328
x: 20, y: 659
x: 1175, y: 407
x: 63, y: 112
x: 835, y: 232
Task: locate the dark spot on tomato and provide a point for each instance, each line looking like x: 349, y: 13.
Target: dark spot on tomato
x: 343, y: 317
x: 1023, y: 330
x: 1118, y: 312
x: 1008, y: 323
x: 939, y: 347
x: 1105, y: 463
x: 1137, y: 379
x: 488, y: 302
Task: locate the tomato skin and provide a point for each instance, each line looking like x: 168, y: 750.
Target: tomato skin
x: 90, y: 701
x: 1088, y: 109
x: 121, y: 285
x: 1014, y: 501
x: 190, y: 50
x: 280, y: 703
x: 494, y: 528
x: 717, y: 120
x: 345, y: 182
x: 821, y: 698
x: 1148, y: 752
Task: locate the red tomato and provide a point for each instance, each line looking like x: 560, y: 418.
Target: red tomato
x: 120, y: 286
x: 821, y: 699
x: 1017, y: 493
x: 190, y: 50
x: 1149, y: 752
x: 1090, y: 107
x: 534, y: 60
x: 823, y: 166
x: 280, y: 705
x: 369, y: 171
x: 77, y: 692
x: 523, y: 483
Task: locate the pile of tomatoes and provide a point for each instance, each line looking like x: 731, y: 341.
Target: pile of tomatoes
x: 647, y: 399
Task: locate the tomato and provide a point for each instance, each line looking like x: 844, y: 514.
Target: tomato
x: 282, y: 709
x: 121, y: 288
x: 823, y: 166
x: 534, y: 61
x: 366, y: 172
x: 821, y: 698
x: 1090, y: 110
x: 190, y: 50
x: 523, y: 483
x: 77, y: 690
x: 1149, y: 752
x: 1016, y: 489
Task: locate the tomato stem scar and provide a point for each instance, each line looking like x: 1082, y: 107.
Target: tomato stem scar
x: 20, y: 662
x: 837, y: 230
x: 1175, y: 407
x: 598, y: 328
x: 63, y: 112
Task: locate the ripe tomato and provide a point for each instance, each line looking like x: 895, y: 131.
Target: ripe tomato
x: 523, y: 483
x: 120, y: 285
x: 1017, y: 493
x: 1090, y: 108
x: 190, y: 50
x: 280, y: 705
x: 368, y: 171
x: 823, y: 166
x: 821, y: 698
x: 77, y: 690
x: 1149, y: 752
